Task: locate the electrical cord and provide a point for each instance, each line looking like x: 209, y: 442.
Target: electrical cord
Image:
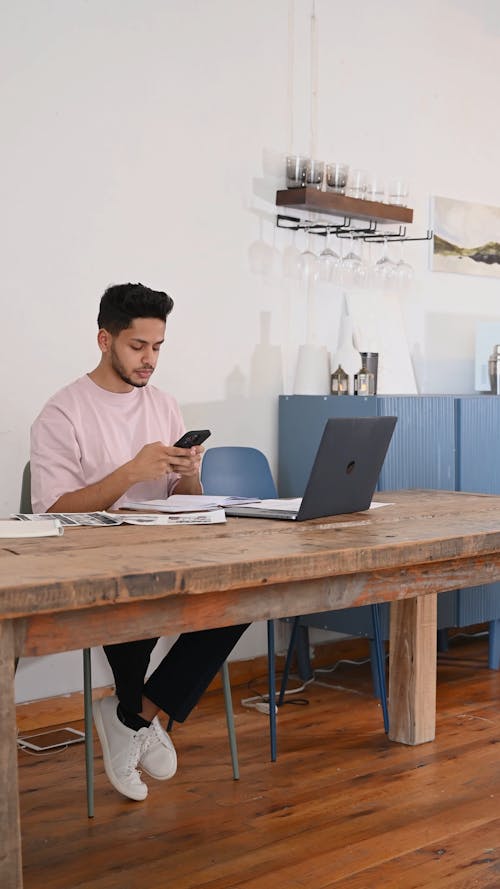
x: 260, y: 701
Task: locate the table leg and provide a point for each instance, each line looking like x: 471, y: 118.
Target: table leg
x: 412, y: 670
x: 10, y: 833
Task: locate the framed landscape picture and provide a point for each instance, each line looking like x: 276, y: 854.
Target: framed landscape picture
x: 466, y: 238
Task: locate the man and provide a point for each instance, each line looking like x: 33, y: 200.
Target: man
x: 102, y: 439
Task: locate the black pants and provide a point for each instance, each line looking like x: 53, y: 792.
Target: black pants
x: 180, y: 679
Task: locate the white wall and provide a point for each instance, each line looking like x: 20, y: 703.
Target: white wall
x: 142, y: 141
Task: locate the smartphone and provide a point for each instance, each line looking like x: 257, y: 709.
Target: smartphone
x: 194, y: 437
x: 51, y: 739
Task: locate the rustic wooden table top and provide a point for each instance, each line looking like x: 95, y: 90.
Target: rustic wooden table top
x: 98, y: 566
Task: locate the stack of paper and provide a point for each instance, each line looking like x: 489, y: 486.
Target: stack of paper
x: 42, y: 528
x: 189, y: 503
x: 24, y: 528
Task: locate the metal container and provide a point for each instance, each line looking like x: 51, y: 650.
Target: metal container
x: 494, y: 370
x: 370, y: 361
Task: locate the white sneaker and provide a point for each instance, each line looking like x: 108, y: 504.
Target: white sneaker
x: 158, y: 757
x: 121, y: 749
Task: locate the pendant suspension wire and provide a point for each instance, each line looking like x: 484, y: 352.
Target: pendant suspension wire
x: 313, y: 110
x: 314, y: 81
x: 291, y: 74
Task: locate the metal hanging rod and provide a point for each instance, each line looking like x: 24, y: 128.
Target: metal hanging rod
x: 380, y: 237
x: 293, y: 223
x: 346, y: 229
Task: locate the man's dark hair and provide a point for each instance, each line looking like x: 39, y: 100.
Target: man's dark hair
x: 122, y: 303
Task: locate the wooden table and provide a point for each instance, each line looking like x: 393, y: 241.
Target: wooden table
x: 96, y: 585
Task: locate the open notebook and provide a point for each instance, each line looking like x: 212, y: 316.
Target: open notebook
x: 344, y: 473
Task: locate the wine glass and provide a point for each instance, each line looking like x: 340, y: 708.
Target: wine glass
x: 308, y: 261
x: 403, y: 271
x: 351, y: 266
x: 384, y: 269
x: 328, y: 260
x: 291, y: 257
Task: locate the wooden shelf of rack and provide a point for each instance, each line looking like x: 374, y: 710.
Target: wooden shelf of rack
x: 315, y: 201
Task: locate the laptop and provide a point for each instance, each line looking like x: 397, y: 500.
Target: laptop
x: 344, y: 473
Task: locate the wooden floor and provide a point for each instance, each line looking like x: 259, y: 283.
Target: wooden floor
x: 342, y: 807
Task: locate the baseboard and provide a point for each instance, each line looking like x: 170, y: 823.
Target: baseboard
x: 62, y: 709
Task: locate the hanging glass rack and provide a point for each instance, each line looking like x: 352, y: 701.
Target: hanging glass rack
x: 350, y: 212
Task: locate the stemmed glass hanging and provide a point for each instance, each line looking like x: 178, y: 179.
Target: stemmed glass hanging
x: 403, y: 271
x: 328, y: 261
x: 291, y: 258
x: 351, y: 266
x: 308, y: 261
x: 384, y: 269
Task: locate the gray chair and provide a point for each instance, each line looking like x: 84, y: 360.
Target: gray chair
x: 25, y: 507
x: 245, y: 472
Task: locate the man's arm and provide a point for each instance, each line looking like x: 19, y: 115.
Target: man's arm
x: 152, y: 462
x: 189, y: 485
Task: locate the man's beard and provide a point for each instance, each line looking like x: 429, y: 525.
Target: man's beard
x: 118, y: 369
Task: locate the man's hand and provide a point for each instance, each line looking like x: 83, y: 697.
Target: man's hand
x: 155, y: 460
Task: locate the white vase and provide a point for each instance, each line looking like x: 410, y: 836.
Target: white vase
x: 346, y: 354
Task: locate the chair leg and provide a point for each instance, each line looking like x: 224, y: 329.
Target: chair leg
x: 380, y: 657
x: 89, y: 738
x: 271, y: 672
x: 494, y: 645
x: 228, y: 703
x: 442, y: 639
x: 288, y: 661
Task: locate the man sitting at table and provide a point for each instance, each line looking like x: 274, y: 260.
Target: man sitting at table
x: 102, y: 439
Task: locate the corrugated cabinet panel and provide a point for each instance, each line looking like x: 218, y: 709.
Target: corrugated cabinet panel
x: 477, y: 604
x: 422, y: 452
x: 479, y: 444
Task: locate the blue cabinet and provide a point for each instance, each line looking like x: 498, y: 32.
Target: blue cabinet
x: 442, y: 441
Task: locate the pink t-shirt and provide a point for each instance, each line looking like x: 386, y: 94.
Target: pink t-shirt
x: 85, y: 432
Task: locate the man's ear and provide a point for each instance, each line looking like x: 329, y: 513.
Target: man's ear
x: 104, y: 339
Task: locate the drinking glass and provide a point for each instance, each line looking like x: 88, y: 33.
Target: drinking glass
x: 397, y: 192
x: 375, y: 189
x: 308, y: 262
x: 314, y: 173
x: 328, y: 261
x: 350, y: 266
x: 296, y: 165
x: 403, y: 271
x: 336, y: 177
x: 291, y: 257
x: 356, y: 183
x: 384, y: 269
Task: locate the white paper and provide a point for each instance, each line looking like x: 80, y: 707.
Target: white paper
x: 292, y: 504
x: 43, y: 528
x: 70, y: 518
x: 208, y: 517
x: 286, y: 504
x: 188, y: 502
x: 31, y: 522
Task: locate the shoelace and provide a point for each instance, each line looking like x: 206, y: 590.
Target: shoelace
x: 153, y: 734
x: 134, y: 752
